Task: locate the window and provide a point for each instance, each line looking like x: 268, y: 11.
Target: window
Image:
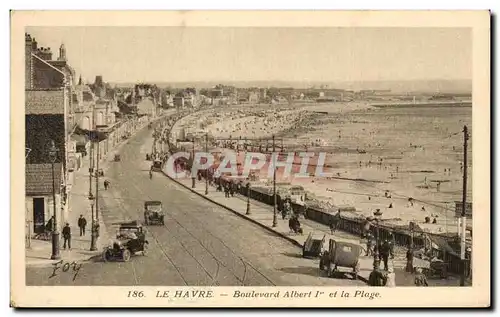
x: 86, y: 123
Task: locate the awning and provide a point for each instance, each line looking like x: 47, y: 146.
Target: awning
x: 81, y: 140
x: 91, y: 135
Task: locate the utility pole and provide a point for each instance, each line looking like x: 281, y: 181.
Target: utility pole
x: 275, y: 216
x: 97, y: 181
x: 91, y: 197
x: 206, y: 170
x: 464, y: 201
x: 153, y: 149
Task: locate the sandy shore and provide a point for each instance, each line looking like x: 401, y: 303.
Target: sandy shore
x: 357, y: 179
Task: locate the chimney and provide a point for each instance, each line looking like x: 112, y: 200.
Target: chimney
x: 30, y: 45
x: 98, y: 81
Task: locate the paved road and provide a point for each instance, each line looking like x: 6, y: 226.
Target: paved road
x: 201, y: 244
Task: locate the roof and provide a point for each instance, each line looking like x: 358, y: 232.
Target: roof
x: 152, y: 202
x: 39, y: 179
x: 44, y: 101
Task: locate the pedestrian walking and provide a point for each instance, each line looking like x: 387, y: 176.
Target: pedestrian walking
x: 49, y: 227
x: 106, y: 184
x: 66, y: 232
x: 369, y: 245
x: 334, y: 223
x: 391, y: 278
x: 392, y: 242
x: 377, y: 277
x: 82, y: 223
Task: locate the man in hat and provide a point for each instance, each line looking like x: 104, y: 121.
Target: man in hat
x: 385, y: 252
x: 369, y: 244
x: 335, y: 222
x: 377, y: 277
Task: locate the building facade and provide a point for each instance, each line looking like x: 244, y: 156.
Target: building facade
x: 49, y: 113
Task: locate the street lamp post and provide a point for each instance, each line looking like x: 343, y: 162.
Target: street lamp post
x: 55, y: 231
x: 248, y: 198
x: 92, y: 229
x: 206, y: 170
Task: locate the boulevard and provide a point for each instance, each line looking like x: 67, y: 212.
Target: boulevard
x: 201, y: 244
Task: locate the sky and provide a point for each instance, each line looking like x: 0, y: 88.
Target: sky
x: 180, y: 54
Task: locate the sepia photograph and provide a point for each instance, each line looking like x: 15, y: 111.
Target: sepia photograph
x: 192, y: 163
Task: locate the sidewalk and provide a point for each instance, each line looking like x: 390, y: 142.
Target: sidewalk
x: 40, y: 251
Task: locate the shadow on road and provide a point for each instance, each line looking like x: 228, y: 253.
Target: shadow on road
x: 342, y: 275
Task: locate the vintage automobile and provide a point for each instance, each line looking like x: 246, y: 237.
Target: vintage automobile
x: 340, y: 254
x: 157, y: 165
x: 100, y: 172
x: 153, y: 213
x: 117, y: 158
x: 130, y: 239
x: 313, y: 246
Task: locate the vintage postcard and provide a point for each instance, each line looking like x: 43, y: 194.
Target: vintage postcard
x: 250, y: 159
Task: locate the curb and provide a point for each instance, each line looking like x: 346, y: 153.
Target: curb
x: 279, y: 234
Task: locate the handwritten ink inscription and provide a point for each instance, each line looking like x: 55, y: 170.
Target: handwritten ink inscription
x: 66, y: 267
